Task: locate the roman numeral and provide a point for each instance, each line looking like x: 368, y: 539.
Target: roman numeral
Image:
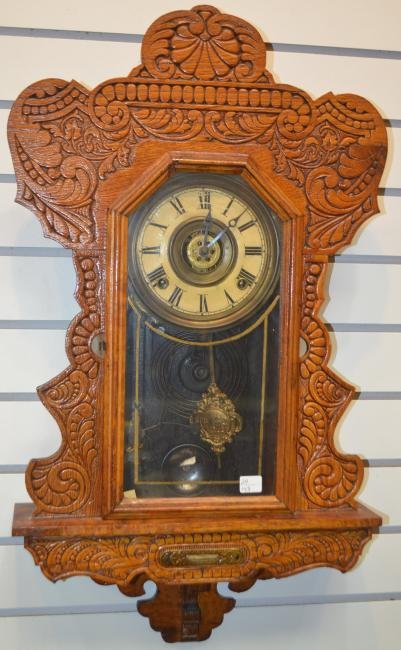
x: 245, y: 279
x: 253, y: 250
x: 203, y: 304
x: 228, y: 206
x: 151, y: 250
x: 230, y: 300
x: 157, y: 225
x: 246, y: 225
x: 155, y: 276
x: 177, y: 205
x: 175, y: 297
x: 204, y: 199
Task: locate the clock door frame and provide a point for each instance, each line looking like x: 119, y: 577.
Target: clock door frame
x: 149, y: 172
x: 83, y: 160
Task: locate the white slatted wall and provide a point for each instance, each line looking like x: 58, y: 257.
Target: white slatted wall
x: 319, y: 46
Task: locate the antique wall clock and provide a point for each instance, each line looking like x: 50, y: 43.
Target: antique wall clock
x: 202, y: 202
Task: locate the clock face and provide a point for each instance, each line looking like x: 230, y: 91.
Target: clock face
x: 202, y: 340
x: 203, y: 251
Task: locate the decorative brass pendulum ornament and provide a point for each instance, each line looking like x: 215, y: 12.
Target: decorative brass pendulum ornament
x: 216, y: 415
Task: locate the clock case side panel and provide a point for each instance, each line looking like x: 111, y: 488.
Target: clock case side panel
x: 60, y: 187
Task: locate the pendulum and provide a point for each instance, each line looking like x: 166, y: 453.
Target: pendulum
x: 216, y: 415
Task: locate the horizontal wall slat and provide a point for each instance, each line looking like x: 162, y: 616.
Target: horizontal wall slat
x: 363, y: 293
x: 19, y: 226
x: 392, y: 170
x: 369, y: 428
x: 31, y: 358
x: 363, y: 625
x: 370, y: 361
x: 6, y: 165
x: 379, y: 571
x: 381, y: 489
x: 381, y: 492
x: 41, y: 288
x: 356, y: 24
x: 37, y: 288
x: 25, y: 586
x: 12, y: 490
x: 91, y: 62
x: 28, y: 431
x: 380, y: 235
x: 319, y: 74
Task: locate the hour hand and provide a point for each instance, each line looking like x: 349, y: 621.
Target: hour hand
x: 206, y: 225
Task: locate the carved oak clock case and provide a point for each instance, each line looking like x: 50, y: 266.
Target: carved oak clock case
x: 202, y: 202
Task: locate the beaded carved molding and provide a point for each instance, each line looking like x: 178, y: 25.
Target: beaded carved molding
x: 202, y: 78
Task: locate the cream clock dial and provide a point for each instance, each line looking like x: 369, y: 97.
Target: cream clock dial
x: 204, y: 251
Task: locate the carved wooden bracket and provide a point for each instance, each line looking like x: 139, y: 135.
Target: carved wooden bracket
x: 202, y: 83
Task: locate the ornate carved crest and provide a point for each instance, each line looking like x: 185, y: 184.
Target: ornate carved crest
x: 203, y: 44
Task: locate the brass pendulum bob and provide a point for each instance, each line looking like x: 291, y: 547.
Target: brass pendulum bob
x: 216, y: 415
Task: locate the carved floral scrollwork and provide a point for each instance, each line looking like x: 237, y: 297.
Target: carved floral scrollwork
x: 167, y: 123
x: 329, y: 479
x: 67, y: 481
x: 339, y: 160
x: 286, y: 553
x: 120, y: 560
x: 61, y: 157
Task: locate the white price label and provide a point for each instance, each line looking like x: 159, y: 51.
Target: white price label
x: 250, y: 484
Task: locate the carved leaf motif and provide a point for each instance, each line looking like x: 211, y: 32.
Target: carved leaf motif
x: 85, y: 328
x: 165, y: 123
x: 326, y: 391
x: 80, y: 428
x: 59, y: 487
x: 331, y: 481
x: 284, y: 553
x: 114, y: 560
x: 67, y: 393
x: 230, y: 126
x: 337, y: 163
x: 313, y: 431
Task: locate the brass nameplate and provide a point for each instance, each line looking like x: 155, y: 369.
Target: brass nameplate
x: 179, y: 557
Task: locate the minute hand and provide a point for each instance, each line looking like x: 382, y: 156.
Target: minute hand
x: 231, y: 224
